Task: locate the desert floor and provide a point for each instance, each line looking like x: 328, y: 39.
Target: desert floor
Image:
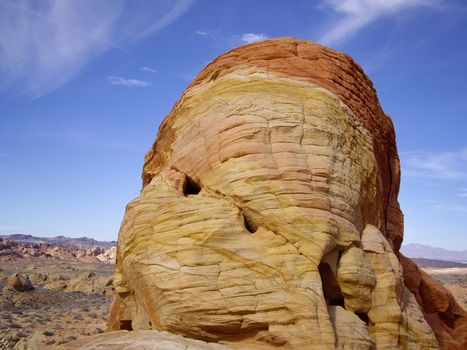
x: 72, y: 299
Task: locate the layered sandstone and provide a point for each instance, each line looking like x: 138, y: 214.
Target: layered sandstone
x: 138, y: 340
x: 269, y: 216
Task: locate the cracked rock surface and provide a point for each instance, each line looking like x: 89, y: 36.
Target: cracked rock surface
x: 269, y: 216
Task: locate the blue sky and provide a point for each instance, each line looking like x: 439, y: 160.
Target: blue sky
x: 85, y: 84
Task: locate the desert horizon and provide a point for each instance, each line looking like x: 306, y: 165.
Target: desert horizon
x: 233, y: 175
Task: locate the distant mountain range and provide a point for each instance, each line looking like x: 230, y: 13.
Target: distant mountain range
x: 414, y: 250
x: 82, y: 242
x: 440, y: 264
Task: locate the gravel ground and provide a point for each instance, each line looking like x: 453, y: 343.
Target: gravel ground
x: 50, y: 314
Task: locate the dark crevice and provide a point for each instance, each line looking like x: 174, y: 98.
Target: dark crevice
x: 337, y: 302
x: 126, y: 325
x: 191, y: 187
x: 388, y: 200
x: 215, y: 75
x: 363, y: 316
x: 331, y: 290
x: 249, y: 223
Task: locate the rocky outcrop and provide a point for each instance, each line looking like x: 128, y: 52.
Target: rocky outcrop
x: 11, y: 249
x: 108, y: 256
x: 86, y: 282
x: 445, y: 316
x: 268, y: 215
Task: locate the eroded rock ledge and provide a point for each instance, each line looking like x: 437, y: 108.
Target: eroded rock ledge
x: 269, y: 216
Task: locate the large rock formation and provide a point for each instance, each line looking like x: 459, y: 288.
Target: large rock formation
x: 269, y: 216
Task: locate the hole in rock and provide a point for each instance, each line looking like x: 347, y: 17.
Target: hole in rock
x: 126, y: 325
x: 449, y: 320
x: 331, y: 290
x: 191, y: 187
x: 249, y: 223
x: 363, y: 316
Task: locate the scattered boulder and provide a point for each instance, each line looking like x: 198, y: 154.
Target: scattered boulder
x: 54, y: 281
x: 85, y: 282
x: 19, y: 282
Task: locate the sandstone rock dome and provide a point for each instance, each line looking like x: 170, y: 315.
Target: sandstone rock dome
x: 269, y: 218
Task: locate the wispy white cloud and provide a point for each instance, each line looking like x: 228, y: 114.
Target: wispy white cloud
x: 354, y: 15
x: 45, y: 44
x: 149, y: 17
x: 202, y: 33
x: 149, y: 70
x: 441, y: 165
x: 462, y: 192
x: 128, y: 82
x: 462, y: 209
x: 252, y: 37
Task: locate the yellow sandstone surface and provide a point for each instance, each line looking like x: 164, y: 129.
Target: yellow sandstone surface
x: 139, y: 340
x: 268, y: 219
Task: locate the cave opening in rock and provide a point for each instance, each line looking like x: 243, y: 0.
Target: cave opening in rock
x: 249, y: 223
x: 331, y: 290
x: 126, y: 325
x: 191, y: 187
x: 363, y: 316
